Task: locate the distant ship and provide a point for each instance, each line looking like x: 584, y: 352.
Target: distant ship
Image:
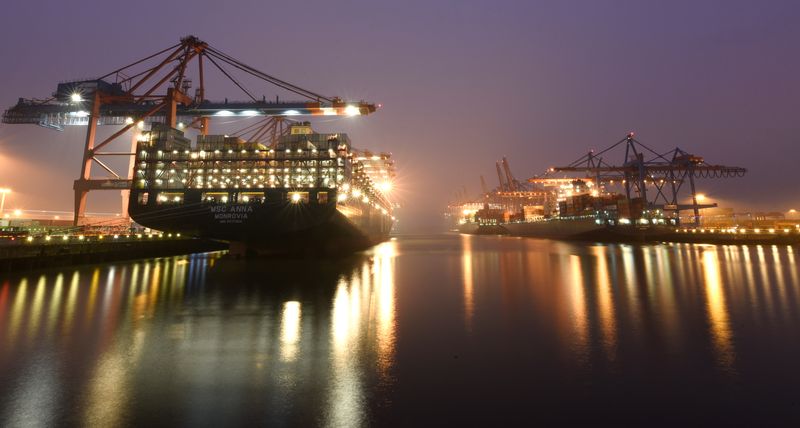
x: 309, y: 193
x: 612, y: 218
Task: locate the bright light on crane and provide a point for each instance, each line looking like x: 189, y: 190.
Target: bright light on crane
x: 76, y: 97
x: 700, y: 197
x: 352, y: 111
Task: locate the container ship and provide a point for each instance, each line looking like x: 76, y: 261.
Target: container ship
x: 573, y: 211
x: 308, y: 192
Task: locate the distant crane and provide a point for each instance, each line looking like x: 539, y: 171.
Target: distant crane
x: 155, y: 89
x: 512, y: 183
x: 503, y: 186
x: 665, y: 173
x: 484, y: 187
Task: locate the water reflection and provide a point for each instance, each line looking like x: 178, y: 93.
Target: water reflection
x: 466, y: 266
x: 372, y: 339
x: 717, y: 310
x: 605, y: 304
x: 184, y: 334
x: 664, y: 298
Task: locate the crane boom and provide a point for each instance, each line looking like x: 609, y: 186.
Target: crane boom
x: 512, y: 187
x: 503, y: 187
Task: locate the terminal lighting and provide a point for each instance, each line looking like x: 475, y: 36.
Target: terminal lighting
x: 386, y: 186
x: 224, y: 113
x: 76, y: 97
x: 352, y: 111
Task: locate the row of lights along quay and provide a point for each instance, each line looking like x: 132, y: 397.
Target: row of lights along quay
x: 20, y: 251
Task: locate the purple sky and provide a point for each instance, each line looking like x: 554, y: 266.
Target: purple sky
x: 462, y: 83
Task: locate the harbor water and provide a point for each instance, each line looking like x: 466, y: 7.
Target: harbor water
x: 440, y: 330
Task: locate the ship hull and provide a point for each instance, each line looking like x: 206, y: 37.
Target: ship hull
x: 584, y: 231
x: 271, y: 227
x: 587, y: 229
x: 577, y: 229
x: 482, y: 229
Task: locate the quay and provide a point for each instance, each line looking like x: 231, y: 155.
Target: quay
x: 31, y: 252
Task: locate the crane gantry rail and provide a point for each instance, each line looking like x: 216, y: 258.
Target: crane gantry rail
x: 155, y: 89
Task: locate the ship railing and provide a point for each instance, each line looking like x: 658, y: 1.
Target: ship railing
x: 233, y: 156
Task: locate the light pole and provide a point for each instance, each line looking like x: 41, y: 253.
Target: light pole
x: 3, y: 193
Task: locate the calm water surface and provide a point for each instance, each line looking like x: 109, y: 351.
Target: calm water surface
x: 421, y: 330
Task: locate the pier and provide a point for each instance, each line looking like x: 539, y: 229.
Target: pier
x: 47, y: 251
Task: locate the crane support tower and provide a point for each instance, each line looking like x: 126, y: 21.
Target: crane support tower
x: 156, y: 89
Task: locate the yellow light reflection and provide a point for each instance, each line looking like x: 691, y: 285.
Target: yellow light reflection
x: 92, y: 294
x: 344, y: 403
x: 717, y: 311
x: 362, y: 302
x: 605, y: 300
x: 384, y: 278
x: 780, y: 283
x: 69, y: 309
x: 577, y: 298
x: 632, y: 297
x: 766, y: 287
x: 466, y: 268
x: 15, y: 315
x: 792, y: 266
x: 290, y: 330
x: 55, y: 305
x: 36, y: 308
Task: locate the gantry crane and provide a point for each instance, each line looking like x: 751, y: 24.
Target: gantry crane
x: 665, y: 174
x: 156, y: 89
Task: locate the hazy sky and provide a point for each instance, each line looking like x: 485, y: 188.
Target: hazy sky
x: 462, y: 83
